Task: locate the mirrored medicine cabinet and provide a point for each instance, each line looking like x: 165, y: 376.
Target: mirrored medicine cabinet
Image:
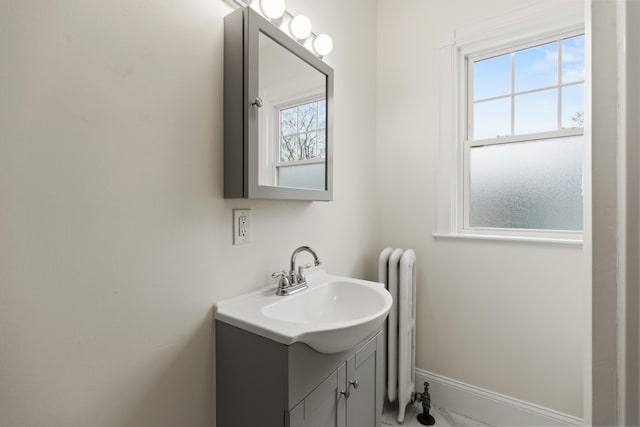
x: 278, y: 114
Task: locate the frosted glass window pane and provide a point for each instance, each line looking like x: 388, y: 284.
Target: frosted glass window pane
x: 573, y: 106
x: 536, y: 67
x: 492, y: 77
x: 536, y: 112
x: 309, y: 176
x: 534, y: 185
x: 573, y: 59
x: 492, y: 118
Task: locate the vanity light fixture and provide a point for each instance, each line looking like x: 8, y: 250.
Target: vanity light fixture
x: 272, y: 9
x: 323, y: 44
x: 300, y: 27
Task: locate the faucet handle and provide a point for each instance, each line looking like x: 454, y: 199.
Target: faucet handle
x: 284, y: 279
x: 283, y: 284
x: 300, y: 277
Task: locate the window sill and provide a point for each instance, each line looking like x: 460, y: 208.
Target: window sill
x: 517, y: 239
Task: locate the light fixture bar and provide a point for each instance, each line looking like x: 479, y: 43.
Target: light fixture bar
x: 242, y: 3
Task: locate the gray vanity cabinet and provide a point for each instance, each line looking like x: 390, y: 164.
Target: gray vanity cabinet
x: 262, y: 382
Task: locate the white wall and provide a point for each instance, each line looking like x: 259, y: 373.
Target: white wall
x: 115, y: 241
x: 503, y: 316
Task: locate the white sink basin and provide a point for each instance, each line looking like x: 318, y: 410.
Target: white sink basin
x: 334, y: 314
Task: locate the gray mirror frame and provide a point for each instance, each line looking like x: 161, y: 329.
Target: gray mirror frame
x: 241, y: 142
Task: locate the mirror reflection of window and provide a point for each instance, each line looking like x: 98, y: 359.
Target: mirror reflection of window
x: 292, y: 123
x: 302, y: 131
x: 302, y: 145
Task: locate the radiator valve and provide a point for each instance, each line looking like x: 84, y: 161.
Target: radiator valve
x: 425, y: 418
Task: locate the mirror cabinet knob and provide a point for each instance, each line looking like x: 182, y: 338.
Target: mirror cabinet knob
x: 257, y: 102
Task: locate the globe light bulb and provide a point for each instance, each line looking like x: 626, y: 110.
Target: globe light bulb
x: 272, y: 9
x: 323, y: 44
x: 300, y: 27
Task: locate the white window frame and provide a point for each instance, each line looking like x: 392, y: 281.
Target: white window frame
x: 530, y: 25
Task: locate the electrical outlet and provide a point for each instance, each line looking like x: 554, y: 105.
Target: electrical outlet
x: 241, y: 226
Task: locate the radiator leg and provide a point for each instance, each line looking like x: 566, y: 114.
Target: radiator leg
x: 401, y: 410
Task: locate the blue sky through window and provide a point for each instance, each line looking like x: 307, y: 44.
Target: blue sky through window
x: 573, y: 59
x: 536, y: 112
x: 536, y: 67
x: 532, y: 70
x: 572, y: 104
x: 492, y: 77
x: 492, y: 118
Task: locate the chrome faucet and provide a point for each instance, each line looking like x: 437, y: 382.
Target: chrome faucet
x: 298, y: 278
x: 295, y: 281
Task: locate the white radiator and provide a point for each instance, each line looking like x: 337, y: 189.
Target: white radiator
x: 396, y: 269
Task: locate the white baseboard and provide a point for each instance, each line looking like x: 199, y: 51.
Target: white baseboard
x: 487, y: 406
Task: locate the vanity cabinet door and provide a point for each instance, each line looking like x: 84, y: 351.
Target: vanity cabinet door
x: 362, y: 380
x: 325, y: 406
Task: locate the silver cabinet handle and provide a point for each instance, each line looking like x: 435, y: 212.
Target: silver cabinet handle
x: 352, y: 383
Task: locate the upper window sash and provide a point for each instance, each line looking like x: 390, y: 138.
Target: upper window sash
x: 471, y: 57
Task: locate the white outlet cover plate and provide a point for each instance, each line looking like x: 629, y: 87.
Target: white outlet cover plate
x: 241, y: 226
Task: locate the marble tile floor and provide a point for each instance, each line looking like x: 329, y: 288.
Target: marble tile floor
x: 443, y: 417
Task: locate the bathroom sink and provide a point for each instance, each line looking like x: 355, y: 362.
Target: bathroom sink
x: 334, y: 314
